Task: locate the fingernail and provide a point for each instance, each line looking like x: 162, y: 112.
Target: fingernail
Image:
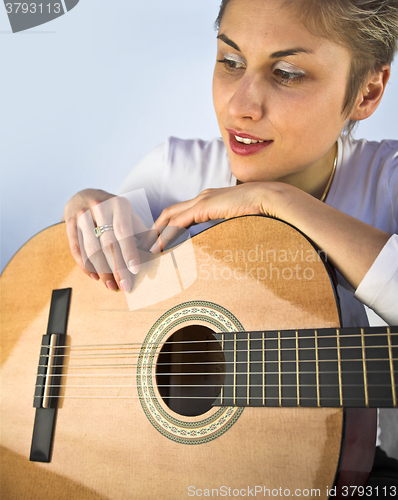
x: 111, y: 285
x: 155, y: 248
x: 125, y: 286
x: 134, y: 266
x: 95, y: 277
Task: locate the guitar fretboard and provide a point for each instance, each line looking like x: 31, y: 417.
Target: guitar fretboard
x: 350, y: 367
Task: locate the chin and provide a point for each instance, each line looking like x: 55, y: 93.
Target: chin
x: 249, y: 174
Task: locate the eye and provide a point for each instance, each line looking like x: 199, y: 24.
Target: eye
x: 286, y: 75
x: 232, y: 63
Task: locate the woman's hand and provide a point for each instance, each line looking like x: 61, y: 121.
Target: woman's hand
x: 350, y: 244
x: 254, y: 198
x: 113, y: 256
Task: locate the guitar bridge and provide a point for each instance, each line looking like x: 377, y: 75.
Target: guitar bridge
x: 49, y: 377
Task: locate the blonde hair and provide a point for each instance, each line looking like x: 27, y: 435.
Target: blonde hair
x: 367, y: 28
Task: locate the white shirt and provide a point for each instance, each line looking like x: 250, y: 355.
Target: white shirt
x: 365, y: 186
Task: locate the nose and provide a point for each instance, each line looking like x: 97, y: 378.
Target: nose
x: 247, y: 102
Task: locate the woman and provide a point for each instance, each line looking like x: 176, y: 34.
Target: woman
x: 298, y: 102
x: 290, y: 78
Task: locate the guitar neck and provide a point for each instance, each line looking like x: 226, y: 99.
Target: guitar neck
x: 345, y: 367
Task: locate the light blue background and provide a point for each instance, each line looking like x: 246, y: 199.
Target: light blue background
x: 87, y: 95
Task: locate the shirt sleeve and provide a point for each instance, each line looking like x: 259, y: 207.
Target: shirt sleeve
x: 379, y: 288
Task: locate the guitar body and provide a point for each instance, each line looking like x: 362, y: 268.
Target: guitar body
x: 123, y: 447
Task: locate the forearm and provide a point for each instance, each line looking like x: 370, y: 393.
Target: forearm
x: 351, y: 245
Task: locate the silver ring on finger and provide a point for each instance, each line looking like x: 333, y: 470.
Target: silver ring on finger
x: 99, y: 230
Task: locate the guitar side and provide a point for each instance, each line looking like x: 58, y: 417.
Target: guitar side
x: 110, y: 448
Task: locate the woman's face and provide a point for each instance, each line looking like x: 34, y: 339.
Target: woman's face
x: 276, y: 82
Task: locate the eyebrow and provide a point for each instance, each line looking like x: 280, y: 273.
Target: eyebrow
x: 274, y: 55
x: 229, y: 42
x: 289, y: 52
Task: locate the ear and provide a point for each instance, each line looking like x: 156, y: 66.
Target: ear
x: 371, y: 93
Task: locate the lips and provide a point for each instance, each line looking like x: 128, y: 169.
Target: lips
x: 244, y: 144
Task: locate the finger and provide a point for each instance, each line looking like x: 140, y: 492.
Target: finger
x: 146, y: 239
x: 150, y: 240
x: 124, y: 233
x: 109, y: 259
x: 173, y: 223
x: 173, y: 211
x: 167, y: 236
x: 77, y: 251
x: 114, y: 216
x: 121, y: 276
x: 92, y: 248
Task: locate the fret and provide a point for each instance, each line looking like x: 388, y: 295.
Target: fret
x: 271, y: 368
x: 394, y: 347
x: 390, y: 356
x: 227, y: 394
x: 365, y: 380
x: 352, y: 367
x: 328, y: 368
x: 248, y: 370
x: 339, y: 367
x: 242, y: 368
x: 317, y: 370
x: 279, y: 368
x: 288, y: 368
x: 222, y: 387
x: 307, y: 367
x: 297, y: 370
x: 378, y: 367
x: 263, y: 366
x: 256, y: 368
x: 234, y: 396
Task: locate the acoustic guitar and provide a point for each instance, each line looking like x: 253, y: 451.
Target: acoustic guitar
x: 224, y: 372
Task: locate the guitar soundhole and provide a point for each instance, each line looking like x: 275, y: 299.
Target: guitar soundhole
x: 190, y: 370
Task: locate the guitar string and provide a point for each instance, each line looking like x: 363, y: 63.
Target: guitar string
x: 123, y: 375
x: 132, y: 365
x: 267, y: 350
x: 205, y: 386
x: 262, y: 374
x: 303, y: 399
x: 164, y: 374
x: 216, y: 385
x: 207, y: 341
x: 210, y: 397
x: 216, y: 373
x: 138, y: 345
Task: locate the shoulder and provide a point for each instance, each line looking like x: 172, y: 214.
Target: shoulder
x: 370, y: 154
x: 371, y: 164
x: 366, y: 182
